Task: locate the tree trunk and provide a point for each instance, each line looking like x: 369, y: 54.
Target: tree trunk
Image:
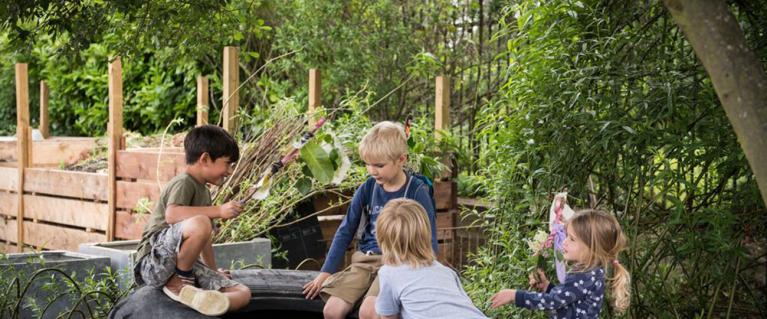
x: 738, y: 76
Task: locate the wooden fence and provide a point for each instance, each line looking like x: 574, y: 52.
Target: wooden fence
x: 61, y: 209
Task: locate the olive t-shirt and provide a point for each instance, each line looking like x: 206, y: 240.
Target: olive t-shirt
x: 182, y: 190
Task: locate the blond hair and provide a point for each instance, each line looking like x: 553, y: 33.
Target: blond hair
x: 385, y: 141
x: 403, y: 231
x: 604, y: 237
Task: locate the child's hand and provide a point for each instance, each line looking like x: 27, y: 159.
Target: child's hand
x: 538, y: 280
x: 224, y: 272
x: 230, y: 210
x: 503, y: 297
x: 312, y: 288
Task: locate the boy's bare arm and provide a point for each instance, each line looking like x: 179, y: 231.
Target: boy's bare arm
x: 177, y: 213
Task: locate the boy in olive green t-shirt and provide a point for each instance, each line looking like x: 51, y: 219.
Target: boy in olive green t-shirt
x: 179, y: 231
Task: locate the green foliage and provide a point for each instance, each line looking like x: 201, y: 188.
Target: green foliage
x: 318, y: 161
x: 617, y: 95
x: 383, y: 47
x: 92, y: 297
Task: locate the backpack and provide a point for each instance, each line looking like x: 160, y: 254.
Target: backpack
x: 409, y: 194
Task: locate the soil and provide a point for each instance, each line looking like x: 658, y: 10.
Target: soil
x: 98, y: 163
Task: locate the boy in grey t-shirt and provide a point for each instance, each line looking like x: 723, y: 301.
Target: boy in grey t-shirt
x: 412, y: 283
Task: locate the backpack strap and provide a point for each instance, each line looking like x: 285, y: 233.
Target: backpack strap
x: 365, y: 215
x: 367, y: 208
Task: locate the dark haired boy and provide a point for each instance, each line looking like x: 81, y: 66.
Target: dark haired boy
x: 179, y: 231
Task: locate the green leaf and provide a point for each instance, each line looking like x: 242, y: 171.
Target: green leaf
x: 335, y: 159
x: 628, y: 129
x: 318, y: 162
x: 304, y: 185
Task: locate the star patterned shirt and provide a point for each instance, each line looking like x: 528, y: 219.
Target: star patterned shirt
x: 579, y: 297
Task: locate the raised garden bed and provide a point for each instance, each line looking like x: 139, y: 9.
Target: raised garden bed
x: 254, y: 253
x: 23, y: 266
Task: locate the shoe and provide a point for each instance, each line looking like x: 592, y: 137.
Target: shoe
x: 206, y: 302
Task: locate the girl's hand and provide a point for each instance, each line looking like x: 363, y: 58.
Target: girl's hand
x: 538, y: 280
x: 503, y: 297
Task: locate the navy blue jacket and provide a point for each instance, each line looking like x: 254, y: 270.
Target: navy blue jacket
x: 371, y: 196
x: 580, y: 296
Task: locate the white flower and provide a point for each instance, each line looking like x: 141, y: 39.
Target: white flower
x: 537, y: 242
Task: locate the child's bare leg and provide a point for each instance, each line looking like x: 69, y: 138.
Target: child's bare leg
x: 368, y: 308
x: 336, y: 308
x: 239, y: 296
x: 196, y: 234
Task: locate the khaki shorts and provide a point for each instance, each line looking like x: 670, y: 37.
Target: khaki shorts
x: 358, y: 280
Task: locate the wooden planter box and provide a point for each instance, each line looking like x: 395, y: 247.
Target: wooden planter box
x: 50, y: 152
x: 25, y: 264
x: 61, y: 208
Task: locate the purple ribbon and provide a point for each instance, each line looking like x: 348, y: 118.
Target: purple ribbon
x: 558, y: 230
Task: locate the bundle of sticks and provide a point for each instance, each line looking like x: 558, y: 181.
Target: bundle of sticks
x: 259, y: 155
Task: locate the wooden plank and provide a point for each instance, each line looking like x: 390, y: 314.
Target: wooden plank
x: 143, y: 165
x: 9, y: 231
x: 72, y: 212
x: 22, y: 141
x: 442, y: 116
x: 328, y: 228
x: 315, y: 94
x: 9, y: 179
x: 114, y: 131
x: 446, y: 220
x: 8, y: 149
x: 62, y: 151
x: 8, y: 207
x: 44, y: 126
x: 202, y: 100
x: 53, y: 151
x: 47, y: 236
x: 129, y: 225
x: 445, y: 195
x: 442, y: 104
x: 129, y: 193
x: 446, y: 254
x: 231, y: 97
x: 167, y: 149
x: 85, y: 185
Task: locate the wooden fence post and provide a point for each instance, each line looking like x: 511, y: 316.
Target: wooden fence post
x: 315, y: 94
x: 231, y: 96
x: 445, y: 190
x: 114, y: 128
x: 44, y: 125
x: 22, y: 144
x: 442, y: 112
x: 202, y: 100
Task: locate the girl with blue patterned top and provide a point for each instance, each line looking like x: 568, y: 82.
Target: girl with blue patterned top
x: 594, y: 240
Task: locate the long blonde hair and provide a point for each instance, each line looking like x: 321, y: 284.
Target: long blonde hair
x: 604, y: 237
x: 403, y: 232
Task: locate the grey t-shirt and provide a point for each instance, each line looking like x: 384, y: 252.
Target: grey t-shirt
x: 426, y: 292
